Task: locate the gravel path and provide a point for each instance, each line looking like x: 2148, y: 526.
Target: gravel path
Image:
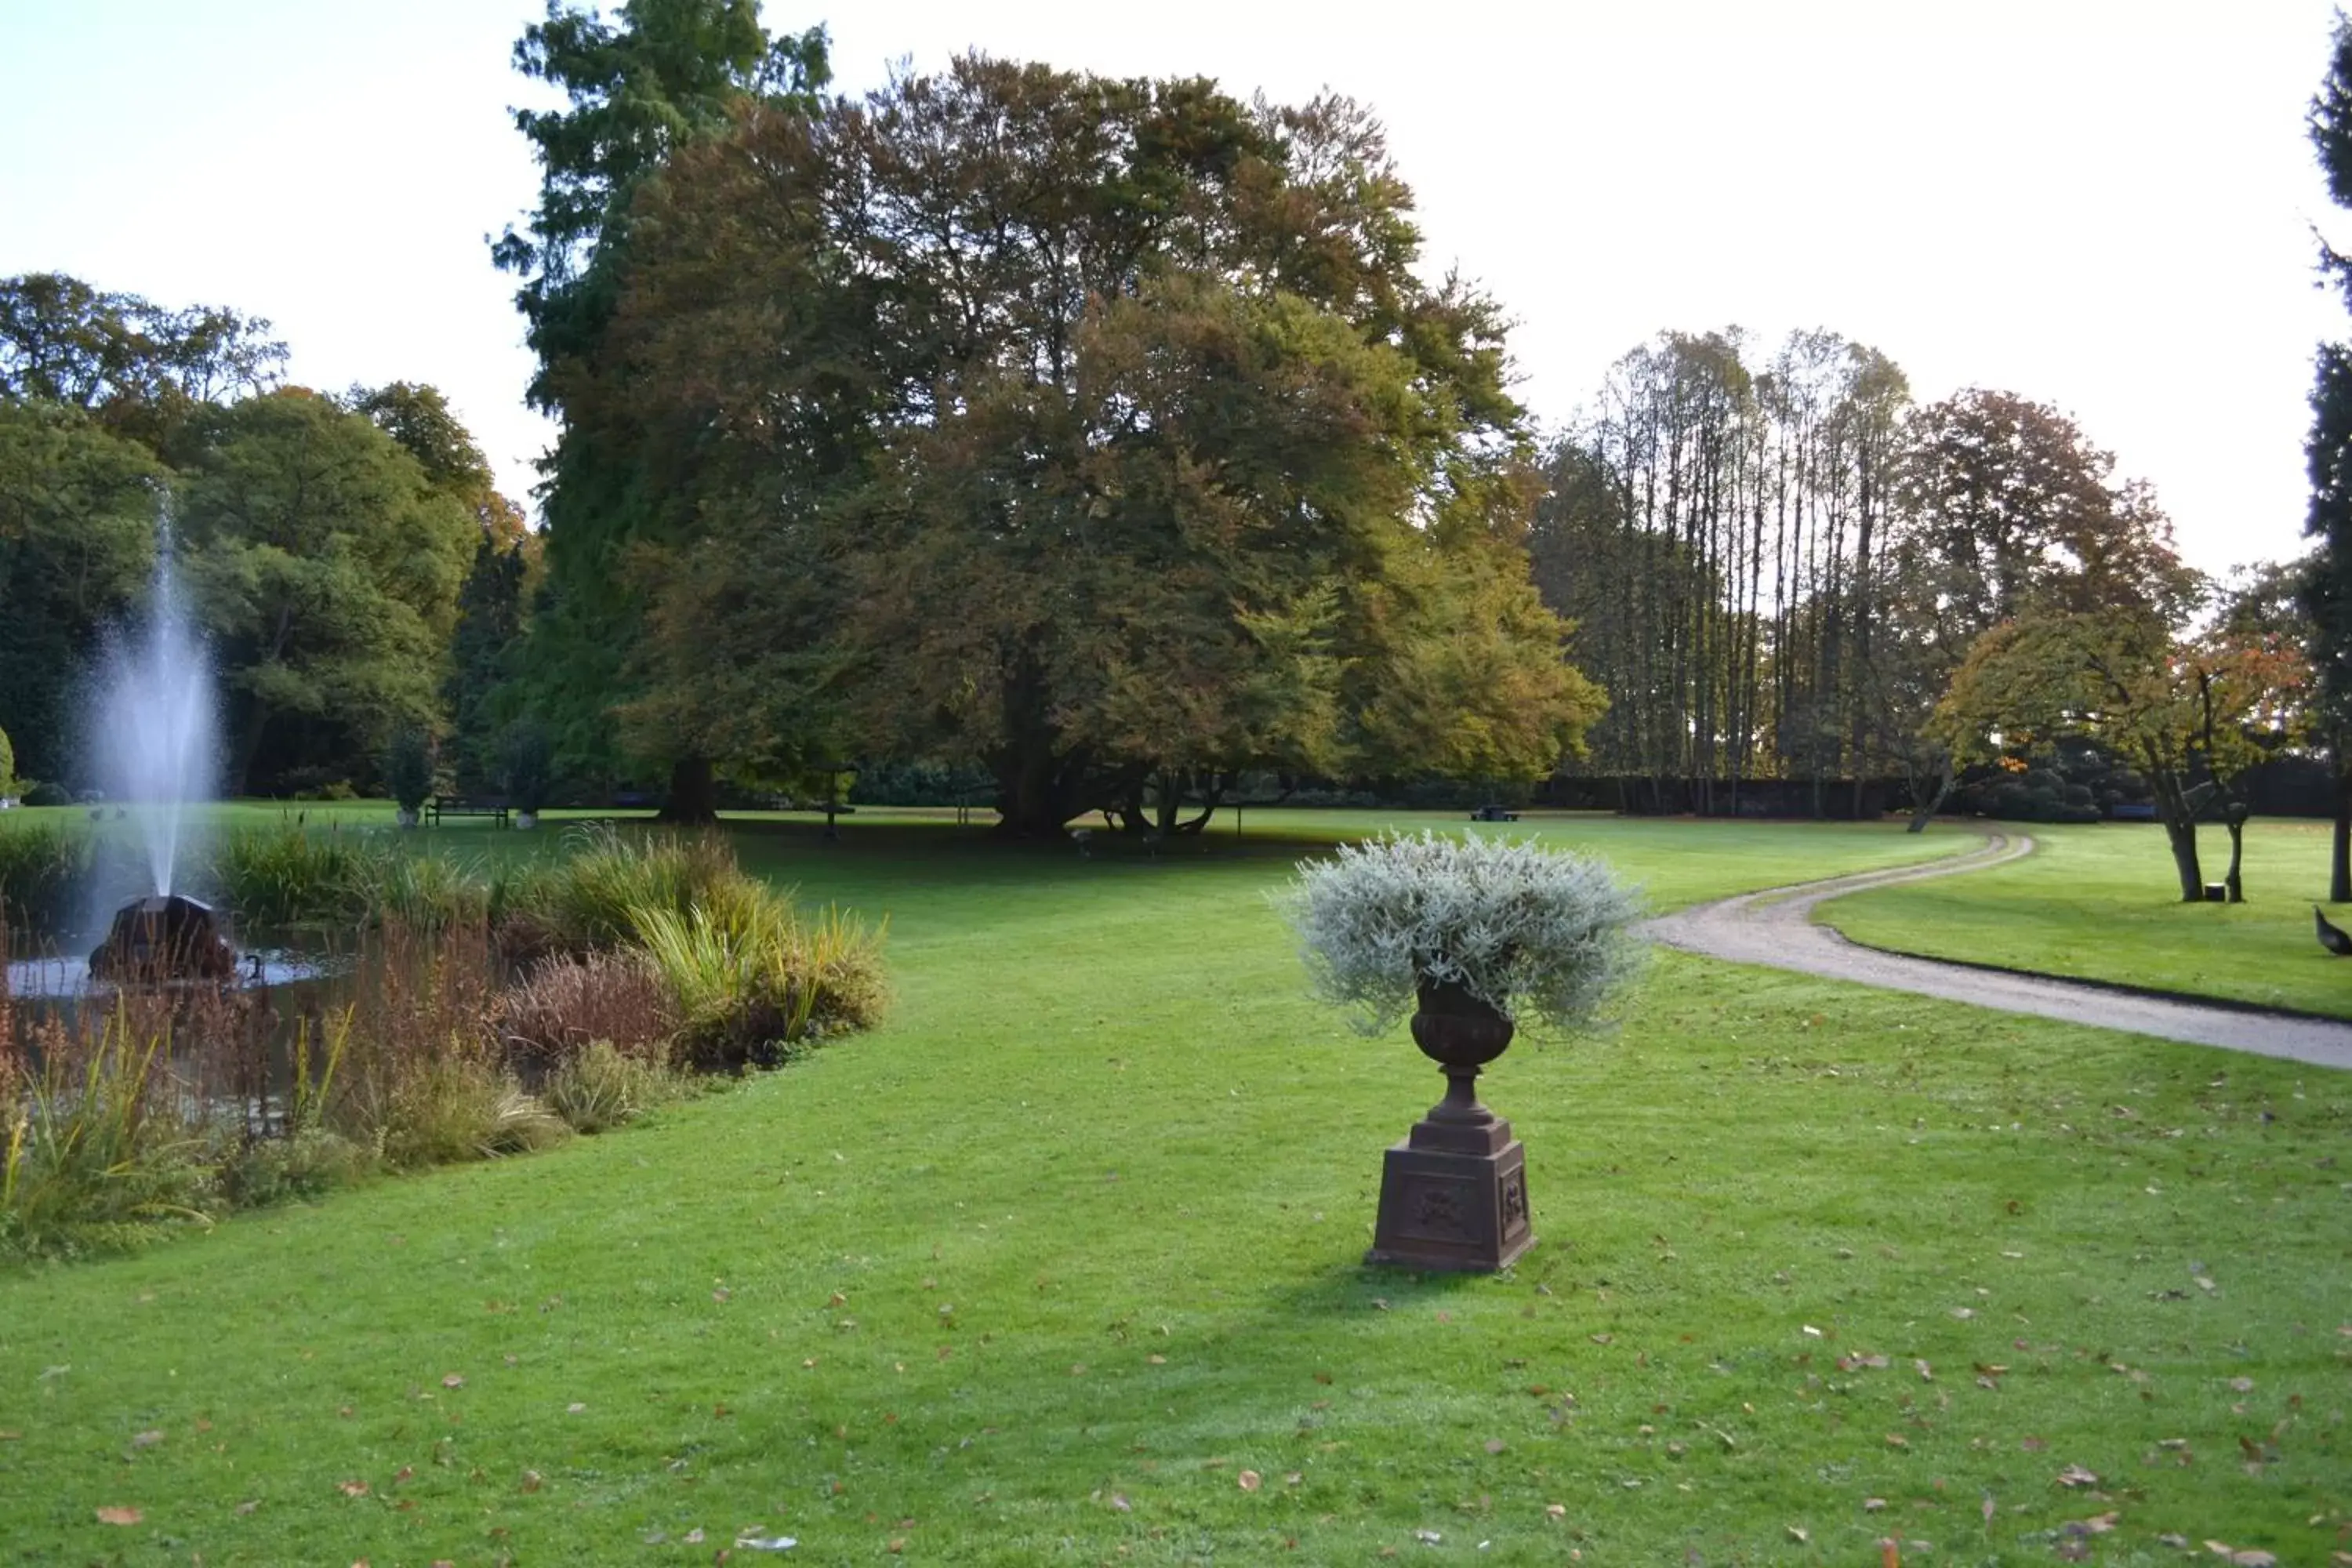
x: 1775, y: 927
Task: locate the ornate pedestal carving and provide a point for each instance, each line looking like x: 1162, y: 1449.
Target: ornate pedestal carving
x: 1454, y: 1194
x: 1453, y: 1208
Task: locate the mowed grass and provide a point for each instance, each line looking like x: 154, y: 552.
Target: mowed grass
x: 1062, y: 1265
x: 2101, y: 902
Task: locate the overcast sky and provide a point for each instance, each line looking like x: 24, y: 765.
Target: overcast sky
x: 2103, y: 205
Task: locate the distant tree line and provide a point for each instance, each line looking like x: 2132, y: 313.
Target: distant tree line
x: 335, y: 548
x: 1103, y: 439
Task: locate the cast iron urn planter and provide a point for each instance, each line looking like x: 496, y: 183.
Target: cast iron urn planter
x: 1454, y: 1194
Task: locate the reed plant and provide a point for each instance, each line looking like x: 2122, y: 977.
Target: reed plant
x: 45, y: 865
x: 286, y: 875
x: 587, y: 899
x: 426, y: 893
x: 99, y: 1153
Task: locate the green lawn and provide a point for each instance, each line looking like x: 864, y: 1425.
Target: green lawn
x: 2101, y: 902
x: 1062, y: 1265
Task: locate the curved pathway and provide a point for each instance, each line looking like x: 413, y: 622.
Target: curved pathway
x: 1775, y: 928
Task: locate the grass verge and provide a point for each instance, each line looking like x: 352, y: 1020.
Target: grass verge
x: 2100, y: 902
x: 1061, y: 1266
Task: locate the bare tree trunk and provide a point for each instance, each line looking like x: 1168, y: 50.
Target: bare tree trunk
x: 693, y: 799
x: 2236, y: 823
x: 1923, y: 812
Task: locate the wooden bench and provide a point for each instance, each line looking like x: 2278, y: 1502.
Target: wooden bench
x: 441, y: 806
x: 1493, y: 813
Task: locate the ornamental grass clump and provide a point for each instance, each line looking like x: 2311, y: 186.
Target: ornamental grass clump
x: 1544, y: 938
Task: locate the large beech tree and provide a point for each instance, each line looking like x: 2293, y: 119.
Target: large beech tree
x: 1099, y: 431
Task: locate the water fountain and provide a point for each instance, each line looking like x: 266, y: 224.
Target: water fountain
x: 156, y: 748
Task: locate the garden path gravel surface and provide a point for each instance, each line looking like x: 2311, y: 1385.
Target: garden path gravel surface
x: 1776, y: 927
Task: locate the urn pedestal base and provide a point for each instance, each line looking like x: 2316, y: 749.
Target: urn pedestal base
x: 1454, y: 1196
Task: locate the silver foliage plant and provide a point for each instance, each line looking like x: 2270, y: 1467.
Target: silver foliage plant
x: 1545, y: 938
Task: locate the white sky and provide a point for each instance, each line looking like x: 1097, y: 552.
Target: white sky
x: 2102, y: 206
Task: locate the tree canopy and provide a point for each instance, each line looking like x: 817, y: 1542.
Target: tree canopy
x: 1099, y: 430
x: 326, y: 566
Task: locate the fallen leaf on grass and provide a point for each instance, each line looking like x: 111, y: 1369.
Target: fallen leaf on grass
x: 1249, y: 1480
x: 693, y: 1536
x: 1799, y: 1534
x: 2242, y: 1384
x: 453, y: 1380
x: 120, y: 1516
x: 1118, y: 1500
x: 248, y: 1505
x: 2076, y: 1476
x: 146, y: 1439
x: 352, y: 1488
x: 1873, y: 1504
x: 770, y: 1543
x: 1427, y: 1537
x: 532, y: 1480
x: 1897, y: 1440
x: 2099, y: 1526
x: 1494, y: 1445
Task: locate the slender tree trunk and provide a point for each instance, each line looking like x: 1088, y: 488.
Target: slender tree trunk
x: 2183, y: 837
x: 2236, y: 823
x: 693, y: 799
x: 1923, y: 812
x: 249, y: 745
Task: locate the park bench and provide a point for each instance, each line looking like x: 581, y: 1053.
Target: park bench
x: 2133, y: 811
x: 441, y: 806
x: 1493, y: 813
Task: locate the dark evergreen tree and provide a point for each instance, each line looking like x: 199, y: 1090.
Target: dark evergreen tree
x: 659, y: 75
x: 2327, y: 587
x: 482, y: 651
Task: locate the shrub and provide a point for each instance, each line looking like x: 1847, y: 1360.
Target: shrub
x: 748, y: 978
x: 601, y: 1087
x: 302, y: 1164
x: 48, y: 794
x: 458, y: 1107
x: 408, y: 769
x: 562, y: 1004
x: 1540, y: 937
x: 7, y: 767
